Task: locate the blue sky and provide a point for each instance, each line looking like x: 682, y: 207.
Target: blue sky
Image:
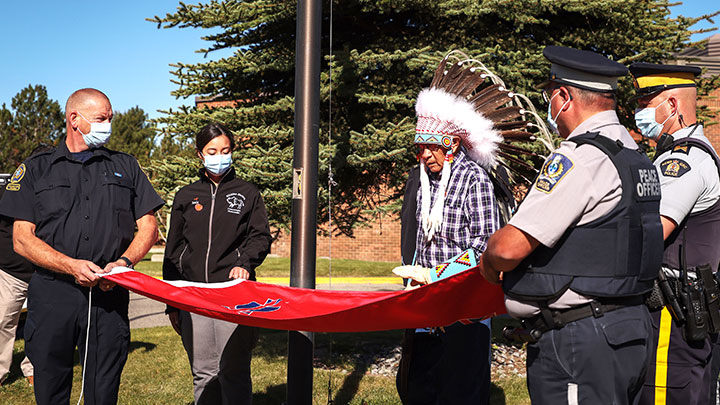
x: 67, y: 45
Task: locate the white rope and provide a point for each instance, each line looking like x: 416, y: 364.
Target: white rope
x: 87, y: 340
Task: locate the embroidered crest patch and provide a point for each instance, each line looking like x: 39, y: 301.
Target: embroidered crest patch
x: 14, y: 184
x: 674, y: 167
x: 553, y: 171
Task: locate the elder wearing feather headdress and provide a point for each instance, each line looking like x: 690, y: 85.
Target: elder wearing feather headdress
x: 450, y: 196
x: 468, y: 127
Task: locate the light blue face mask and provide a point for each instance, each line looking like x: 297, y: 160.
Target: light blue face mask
x: 550, y: 120
x: 645, y: 121
x: 217, y: 164
x: 99, y: 133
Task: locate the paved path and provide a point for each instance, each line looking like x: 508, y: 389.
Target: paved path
x: 146, y: 313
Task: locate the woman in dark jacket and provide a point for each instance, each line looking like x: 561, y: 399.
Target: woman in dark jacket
x: 218, y: 232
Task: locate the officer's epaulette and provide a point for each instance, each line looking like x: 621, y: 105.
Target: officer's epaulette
x: 682, y: 148
x: 48, y: 150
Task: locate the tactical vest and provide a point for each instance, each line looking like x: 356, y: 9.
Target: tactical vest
x: 616, y: 255
x: 698, y: 232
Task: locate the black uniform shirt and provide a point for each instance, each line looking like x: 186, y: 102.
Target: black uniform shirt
x: 85, y: 210
x: 11, y: 262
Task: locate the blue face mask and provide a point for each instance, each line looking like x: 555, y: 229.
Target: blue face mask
x: 99, y: 133
x: 645, y: 121
x: 217, y: 164
x: 550, y: 120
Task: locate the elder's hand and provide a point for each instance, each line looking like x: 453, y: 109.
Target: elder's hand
x: 418, y: 275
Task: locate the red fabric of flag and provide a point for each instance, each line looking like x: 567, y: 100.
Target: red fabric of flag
x: 465, y: 295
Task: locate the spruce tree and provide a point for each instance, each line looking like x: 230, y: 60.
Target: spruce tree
x: 133, y: 134
x: 33, y: 119
x: 383, y: 54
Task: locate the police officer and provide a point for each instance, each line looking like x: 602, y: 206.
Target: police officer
x: 690, y: 213
x: 584, y: 246
x: 75, y: 212
x: 15, y: 273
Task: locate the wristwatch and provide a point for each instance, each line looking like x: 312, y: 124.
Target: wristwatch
x: 127, y: 261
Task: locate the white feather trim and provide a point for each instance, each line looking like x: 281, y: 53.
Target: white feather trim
x: 481, y: 140
x: 431, y: 219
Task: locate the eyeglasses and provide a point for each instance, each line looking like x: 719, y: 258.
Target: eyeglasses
x: 431, y: 146
x: 547, y: 93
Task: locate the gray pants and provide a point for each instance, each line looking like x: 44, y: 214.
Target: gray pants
x: 219, y: 354
x: 12, y: 296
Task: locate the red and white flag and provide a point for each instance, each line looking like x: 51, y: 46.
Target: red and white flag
x: 466, y: 295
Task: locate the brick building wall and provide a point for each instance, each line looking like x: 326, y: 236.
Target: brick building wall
x: 713, y: 131
x: 378, y: 242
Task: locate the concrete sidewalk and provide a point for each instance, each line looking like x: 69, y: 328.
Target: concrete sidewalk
x: 147, y: 313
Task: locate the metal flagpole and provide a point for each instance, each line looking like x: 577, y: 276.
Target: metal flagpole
x: 305, y: 186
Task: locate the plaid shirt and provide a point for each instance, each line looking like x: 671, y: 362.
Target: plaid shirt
x: 470, y: 215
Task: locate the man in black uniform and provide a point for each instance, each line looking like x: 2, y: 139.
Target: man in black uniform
x: 75, y: 212
x: 584, y: 246
x: 15, y: 273
x: 680, y: 370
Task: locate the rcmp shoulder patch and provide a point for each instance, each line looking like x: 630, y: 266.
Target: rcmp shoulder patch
x: 553, y: 171
x: 674, y: 167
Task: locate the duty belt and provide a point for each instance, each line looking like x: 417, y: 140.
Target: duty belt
x: 549, y: 319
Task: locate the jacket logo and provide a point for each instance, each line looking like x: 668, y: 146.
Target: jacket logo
x: 236, y: 202
x: 270, y: 305
x: 196, y: 204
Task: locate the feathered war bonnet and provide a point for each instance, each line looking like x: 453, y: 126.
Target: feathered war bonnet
x: 468, y: 101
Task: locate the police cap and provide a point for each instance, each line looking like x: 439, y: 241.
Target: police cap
x: 651, y: 78
x: 583, y: 69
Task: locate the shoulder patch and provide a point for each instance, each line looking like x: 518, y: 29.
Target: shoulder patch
x: 553, y: 171
x: 684, y: 148
x: 18, y: 175
x: 674, y: 167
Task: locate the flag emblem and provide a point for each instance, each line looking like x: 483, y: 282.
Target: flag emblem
x: 270, y: 305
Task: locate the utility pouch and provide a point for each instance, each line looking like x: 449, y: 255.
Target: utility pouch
x: 712, y: 297
x: 654, y: 300
x: 696, y: 325
x: 668, y: 288
x: 521, y: 335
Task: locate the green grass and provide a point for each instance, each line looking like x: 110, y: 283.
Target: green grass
x: 157, y: 372
x: 280, y: 267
